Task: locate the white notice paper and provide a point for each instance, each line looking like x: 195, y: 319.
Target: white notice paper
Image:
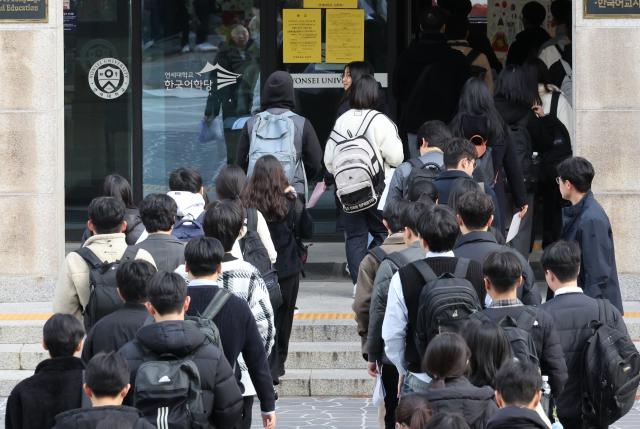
x: 385, y: 193
x: 514, y: 227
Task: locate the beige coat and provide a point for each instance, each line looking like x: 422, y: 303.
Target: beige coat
x: 72, y: 290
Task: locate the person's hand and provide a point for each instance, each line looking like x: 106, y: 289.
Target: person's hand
x: 269, y: 421
x: 291, y: 190
x: 400, y: 383
x: 523, y: 211
x: 372, y: 369
x: 538, y: 110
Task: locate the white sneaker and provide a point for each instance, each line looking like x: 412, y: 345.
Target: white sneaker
x: 205, y: 47
x: 186, y: 49
x: 354, y: 292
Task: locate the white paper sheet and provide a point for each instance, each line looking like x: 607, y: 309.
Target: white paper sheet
x: 514, y: 227
x: 385, y: 193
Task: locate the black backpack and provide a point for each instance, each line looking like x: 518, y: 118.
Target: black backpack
x: 103, y: 290
x: 561, y: 149
x: 518, y: 332
x: 522, y: 145
x: 421, y: 171
x: 611, y: 371
x: 445, y: 302
x: 187, y: 228
x: 254, y: 252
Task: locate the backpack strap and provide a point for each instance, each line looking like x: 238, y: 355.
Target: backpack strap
x: 252, y: 220
x: 398, y: 259
x: 368, y: 119
x: 559, y: 49
x: 425, y: 270
x: 527, y: 318
x: 462, y: 266
x: 129, y: 254
x: 90, y: 257
x: 473, y: 55
x: 417, y: 163
x: 555, y: 98
x: 602, y: 311
x: 378, y: 253
x: 216, y: 304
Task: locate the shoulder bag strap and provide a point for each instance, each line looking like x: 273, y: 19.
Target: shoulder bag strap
x: 527, y: 318
x: 425, y: 270
x: 252, y: 219
x: 378, y: 253
x: 462, y: 266
x: 398, y: 259
x: 555, y: 98
x: 602, y: 311
x: 217, y: 302
x: 417, y: 163
x: 90, y: 257
x: 473, y: 55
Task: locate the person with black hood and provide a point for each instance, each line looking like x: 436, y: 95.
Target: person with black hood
x: 278, y: 98
x: 106, y: 385
x: 530, y: 130
x: 428, y: 78
x: 528, y: 41
x: 446, y: 361
x: 518, y: 393
x: 172, y: 335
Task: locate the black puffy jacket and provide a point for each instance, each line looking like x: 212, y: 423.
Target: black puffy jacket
x: 516, y: 418
x: 99, y: 417
x: 459, y: 396
x: 572, y: 314
x: 221, y: 394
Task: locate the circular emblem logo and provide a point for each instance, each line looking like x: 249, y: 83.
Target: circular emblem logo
x: 109, y: 78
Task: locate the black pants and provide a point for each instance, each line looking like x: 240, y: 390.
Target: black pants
x: 552, y: 204
x: 283, y: 319
x: 390, y: 382
x: 524, y: 239
x: 247, y: 408
x: 579, y: 424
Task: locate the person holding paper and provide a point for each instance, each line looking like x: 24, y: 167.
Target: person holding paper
x: 474, y: 213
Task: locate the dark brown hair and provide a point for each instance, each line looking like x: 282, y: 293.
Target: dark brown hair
x: 447, y: 356
x: 265, y: 189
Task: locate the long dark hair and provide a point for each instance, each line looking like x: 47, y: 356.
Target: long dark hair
x: 118, y: 187
x: 364, y: 93
x: 265, y: 189
x: 490, y: 349
x: 356, y: 69
x: 516, y: 85
x: 447, y: 356
x: 476, y: 100
x: 230, y: 182
x: 413, y: 411
x: 543, y: 77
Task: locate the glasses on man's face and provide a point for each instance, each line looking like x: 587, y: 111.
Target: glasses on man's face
x: 558, y: 180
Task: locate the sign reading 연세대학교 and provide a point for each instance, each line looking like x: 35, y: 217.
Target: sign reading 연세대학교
x: 20, y: 11
x: 612, y: 8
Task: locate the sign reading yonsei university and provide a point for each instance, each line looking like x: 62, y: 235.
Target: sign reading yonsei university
x: 611, y: 8
x: 18, y: 11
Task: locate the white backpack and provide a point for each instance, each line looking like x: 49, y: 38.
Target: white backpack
x: 357, y: 170
x: 274, y: 135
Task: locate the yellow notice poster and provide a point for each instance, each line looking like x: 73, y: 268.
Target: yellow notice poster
x: 331, y: 4
x: 345, y: 35
x: 302, y: 37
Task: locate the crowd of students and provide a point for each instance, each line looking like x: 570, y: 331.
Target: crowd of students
x: 187, y: 304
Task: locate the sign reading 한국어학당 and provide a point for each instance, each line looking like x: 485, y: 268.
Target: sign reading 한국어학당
x: 611, y: 8
x: 23, y: 11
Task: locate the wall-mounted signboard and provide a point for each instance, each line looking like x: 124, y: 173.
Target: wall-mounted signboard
x: 23, y: 11
x: 331, y: 4
x: 612, y: 9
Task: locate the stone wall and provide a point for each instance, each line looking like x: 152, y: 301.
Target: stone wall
x: 607, y: 105
x: 31, y: 157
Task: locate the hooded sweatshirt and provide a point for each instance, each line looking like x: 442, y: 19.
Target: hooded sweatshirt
x: 189, y: 204
x: 278, y: 97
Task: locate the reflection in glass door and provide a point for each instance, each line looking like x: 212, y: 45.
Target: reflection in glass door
x: 200, y: 83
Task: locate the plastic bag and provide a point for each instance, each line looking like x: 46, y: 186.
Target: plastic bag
x: 211, y: 130
x: 378, y: 390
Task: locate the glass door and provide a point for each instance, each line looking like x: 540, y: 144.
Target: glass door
x: 200, y: 81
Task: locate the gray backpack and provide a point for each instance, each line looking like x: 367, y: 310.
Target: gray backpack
x: 168, y: 388
x: 275, y: 134
x: 358, y: 172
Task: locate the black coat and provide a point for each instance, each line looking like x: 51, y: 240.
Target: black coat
x: 540, y: 129
x: 110, y: 416
x: 114, y: 330
x: 516, y: 418
x: 545, y: 339
x: 587, y: 224
x: 55, y: 387
x: 167, y: 251
x: 475, y: 404
x: 238, y: 334
x: 439, y: 99
x: 220, y: 392
x: 572, y: 314
x: 477, y: 245
x: 527, y: 45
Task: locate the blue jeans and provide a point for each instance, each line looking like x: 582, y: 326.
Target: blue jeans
x: 357, y: 227
x: 412, y: 384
